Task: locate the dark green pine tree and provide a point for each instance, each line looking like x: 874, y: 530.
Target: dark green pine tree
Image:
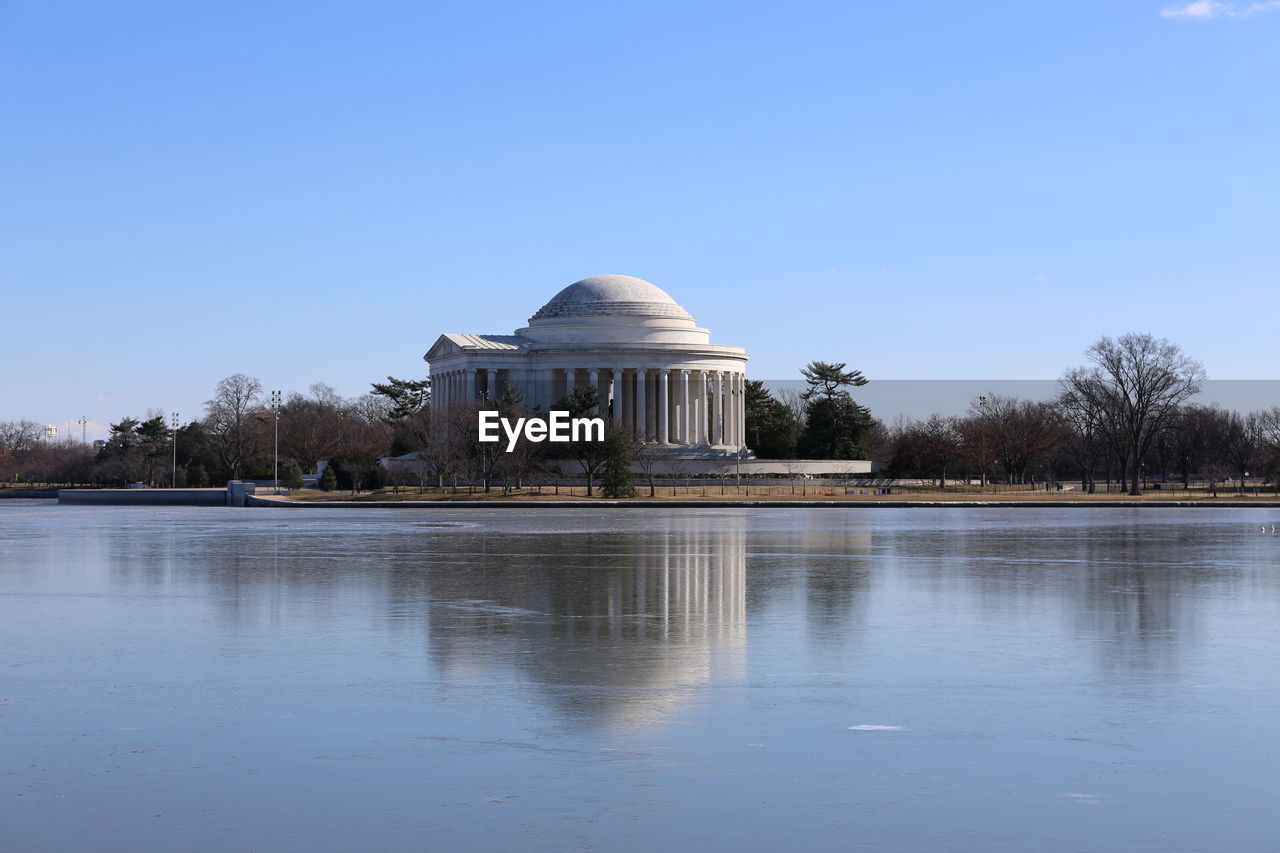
x: 835, y: 427
x: 615, y: 480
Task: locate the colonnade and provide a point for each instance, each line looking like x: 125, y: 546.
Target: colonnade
x: 458, y: 386
x: 663, y: 405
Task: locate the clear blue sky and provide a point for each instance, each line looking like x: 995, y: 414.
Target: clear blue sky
x: 313, y: 191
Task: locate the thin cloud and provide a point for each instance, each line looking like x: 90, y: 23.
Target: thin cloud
x: 1203, y: 10
x: 1198, y: 9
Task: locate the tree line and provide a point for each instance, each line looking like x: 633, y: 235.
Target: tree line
x: 1125, y: 416
x: 233, y: 439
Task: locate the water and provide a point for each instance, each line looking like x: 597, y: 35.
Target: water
x: 209, y: 679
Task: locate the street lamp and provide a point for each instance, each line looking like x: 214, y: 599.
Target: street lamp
x: 173, y: 420
x: 275, y: 409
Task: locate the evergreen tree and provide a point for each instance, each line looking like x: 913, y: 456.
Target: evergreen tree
x: 615, y: 479
x: 835, y: 427
x: 406, y: 396
x: 290, y: 474
x: 771, y: 428
x: 328, y: 480
x: 827, y: 379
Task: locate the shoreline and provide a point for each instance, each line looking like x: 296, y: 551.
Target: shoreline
x: 676, y: 503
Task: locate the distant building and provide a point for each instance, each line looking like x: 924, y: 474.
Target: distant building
x: 656, y: 372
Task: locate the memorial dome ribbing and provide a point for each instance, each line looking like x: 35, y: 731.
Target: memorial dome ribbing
x: 611, y: 296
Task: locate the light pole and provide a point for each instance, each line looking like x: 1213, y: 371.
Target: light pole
x: 173, y: 420
x: 84, y: 419
x: 275, y: 409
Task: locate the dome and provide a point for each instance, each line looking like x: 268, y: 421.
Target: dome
x: 611, y: 296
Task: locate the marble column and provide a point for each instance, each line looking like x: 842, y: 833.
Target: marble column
x: 642, y: 421
x: 664, y: 407
x: 695, y: 407
x: 617, y: 396
x: 491, y: 385
x: 717, y: 413
x: 682, y: 416
x: 730, y: 410
x: 704, y: 434
x: 542, y: 394
x: 470, y: 391
x: 568, y: 380
x: 740, y: 417
x: 731, y: 406
x: 707, y: 407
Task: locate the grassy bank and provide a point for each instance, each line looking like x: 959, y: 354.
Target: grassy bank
x: 718, y: 493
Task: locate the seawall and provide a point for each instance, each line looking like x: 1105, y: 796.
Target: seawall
x: 144, y: 497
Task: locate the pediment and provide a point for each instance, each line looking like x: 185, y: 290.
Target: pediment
x: 441, y: 348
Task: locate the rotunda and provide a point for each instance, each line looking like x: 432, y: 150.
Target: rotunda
x: 655, y: 371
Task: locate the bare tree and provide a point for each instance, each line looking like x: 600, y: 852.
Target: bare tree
x: 1011, y: 432
x: 1143, y: 380
x: 880, y: 441
x: 1269, y: 436
x: 230, y: 422
x: 1087, y: 441
x: 646, y: 456
x: 941, y: 443
x: 310, y: 430
x: 1196, y: 434
x: 1241, y: 443
x: 17, y: 437
x: 794, y: 401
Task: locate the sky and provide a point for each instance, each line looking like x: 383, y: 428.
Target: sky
x: 313, y: 192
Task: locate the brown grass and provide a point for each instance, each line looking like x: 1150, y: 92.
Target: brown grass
x: 716, y: 492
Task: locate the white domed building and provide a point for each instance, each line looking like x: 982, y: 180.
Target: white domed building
x: 656, y: 372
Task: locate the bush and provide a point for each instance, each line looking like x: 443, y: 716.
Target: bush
x: 328, y: 480
x: 355, y: 471
x: 615, y: 482
x: 291, y: 474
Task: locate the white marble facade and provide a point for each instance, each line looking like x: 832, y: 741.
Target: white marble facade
x: 656, y: 373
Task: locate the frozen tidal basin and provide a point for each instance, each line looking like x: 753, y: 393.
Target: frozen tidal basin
x: 210, y: 679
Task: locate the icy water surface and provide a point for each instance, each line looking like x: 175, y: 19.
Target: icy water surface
x: 322, y: 680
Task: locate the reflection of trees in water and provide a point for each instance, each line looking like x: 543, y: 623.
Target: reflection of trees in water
x: 1130, y: 587
x: 1138, y: 592
x: 616, y: 626
x: 833, y: 562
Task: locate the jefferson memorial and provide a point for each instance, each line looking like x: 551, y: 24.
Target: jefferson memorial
x: 656, y: 372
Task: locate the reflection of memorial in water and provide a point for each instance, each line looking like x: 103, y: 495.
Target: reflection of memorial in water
x: 619, y: 628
